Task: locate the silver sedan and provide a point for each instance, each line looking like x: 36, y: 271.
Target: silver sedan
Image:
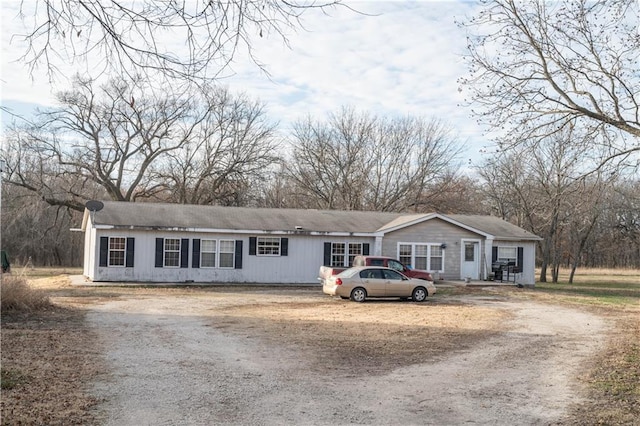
x: 359, y: 283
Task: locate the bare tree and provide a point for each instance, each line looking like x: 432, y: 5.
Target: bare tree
x: 106, y: 142
x: 587, y: 208
x: 616, y: 237
x: 508, y: 188
x: 232, y: 150
x: 541, y: 188
x: 626, y: 205
x: 35, y: 233
x: 455, y: 193
x: 362, y: 162
x: 137, y: 36
x: 540, y: 66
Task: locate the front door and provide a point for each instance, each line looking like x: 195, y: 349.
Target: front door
x: 470, y: 265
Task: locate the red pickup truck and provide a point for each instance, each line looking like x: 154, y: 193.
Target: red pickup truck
x: 389, y: 262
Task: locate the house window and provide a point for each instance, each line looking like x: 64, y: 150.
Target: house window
x: 429, y: 257
x: 355, y: 249
x: 117, y: 252
x: 343, y: 254
x: 436, y: 258
x: 405, y: 254
x: 172, y: 252
x: 268, y: 246
x: 420, y: 257
x: 338, y: 254
x: 117, y: 247
x: 469, y: 252
x: 508, y: 255
x: 208, y: 253
x: 227, y: 253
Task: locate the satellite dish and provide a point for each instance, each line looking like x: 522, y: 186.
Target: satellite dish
x: 94, y: 206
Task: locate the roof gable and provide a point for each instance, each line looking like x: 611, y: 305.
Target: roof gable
x: 487, y: 226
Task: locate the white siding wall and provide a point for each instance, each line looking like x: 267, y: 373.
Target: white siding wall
x: 528, y: 275
x: 301, y: 265
x: 305, y: 256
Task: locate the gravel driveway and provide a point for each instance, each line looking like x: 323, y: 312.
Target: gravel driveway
x: 285, y: 356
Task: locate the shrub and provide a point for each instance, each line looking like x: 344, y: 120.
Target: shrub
x: 17, y: 295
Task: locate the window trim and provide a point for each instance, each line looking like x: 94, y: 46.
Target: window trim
x: 124, y: 252
x: 164, y: 253
x: 263, y: 240
x: 508, y: 259
x: 351, y: 256
x: 343, y: 255
x: 232, y: 252
x: 347, y: 256
x: 428, y: 254
x: 215, y: 252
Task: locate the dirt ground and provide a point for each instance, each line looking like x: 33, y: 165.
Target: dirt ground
x: 263, y: 356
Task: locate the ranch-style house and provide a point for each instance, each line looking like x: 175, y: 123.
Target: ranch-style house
x: 155, y: 242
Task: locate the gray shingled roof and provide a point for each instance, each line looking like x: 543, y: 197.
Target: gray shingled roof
x: 161, y: 215
x: 494, y: 226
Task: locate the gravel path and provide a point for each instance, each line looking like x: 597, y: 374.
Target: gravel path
x: 171, y: 365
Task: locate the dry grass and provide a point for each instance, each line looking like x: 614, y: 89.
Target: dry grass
x: 49, y: 358
x: 49, y: 361
x: 616, y: 380
x: 16, y: 295
x: 36, y: 339
x: 600, y: 275
x: 30, y: 272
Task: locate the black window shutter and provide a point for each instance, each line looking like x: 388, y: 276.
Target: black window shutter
x: 284, y: 247
x: 494, y: 254
x: 184, y: 253
x: 159, y: 251
x: 520, y: 257
x: 195, y: 261
x: 327, y: 254
x: 104, y: 250
x: 131, y: 249
x: 252, y: 246
x: 238, y: 260
x: 365, y: 249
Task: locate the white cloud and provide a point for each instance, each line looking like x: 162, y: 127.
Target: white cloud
x: 395, y: 57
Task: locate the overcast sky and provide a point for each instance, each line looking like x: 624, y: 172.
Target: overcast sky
x: 395, y: 58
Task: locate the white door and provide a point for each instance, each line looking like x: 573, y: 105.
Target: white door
x: 470, y: 260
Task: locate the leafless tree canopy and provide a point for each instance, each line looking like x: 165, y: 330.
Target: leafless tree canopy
x: 35, y: 233
x: 542, y: 188
x: 138, y: 35
x: 232, y: 152
x: 121, y: 141
x: 538, y: 66
x: 361, y: 162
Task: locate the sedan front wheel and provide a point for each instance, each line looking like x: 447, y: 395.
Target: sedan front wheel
x: 419, y: 294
